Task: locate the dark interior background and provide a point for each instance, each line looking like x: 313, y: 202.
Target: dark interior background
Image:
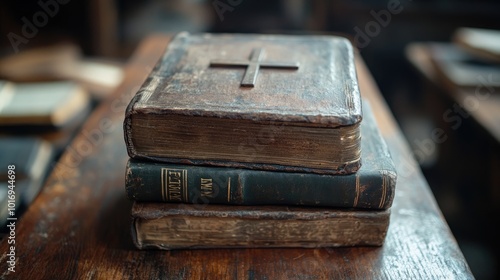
x: 459, y: 170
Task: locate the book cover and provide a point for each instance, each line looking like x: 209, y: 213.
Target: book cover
x: 170, y: 226
x: 273, y: 102
x: 372, y: 187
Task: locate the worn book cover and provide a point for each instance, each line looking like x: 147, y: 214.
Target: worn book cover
x: 273, y: 102
x: 372, y: 187
x: 181, y: 226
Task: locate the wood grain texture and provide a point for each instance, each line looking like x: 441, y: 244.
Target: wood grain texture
x: 78, y: 227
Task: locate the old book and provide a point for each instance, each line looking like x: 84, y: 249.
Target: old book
x: 30, y: 159
x: 274, y: 102
x: 42, y: 105
x: 480, y: 42
x: 371, y: 187
x: 459, y: 69
x: 179, y: 226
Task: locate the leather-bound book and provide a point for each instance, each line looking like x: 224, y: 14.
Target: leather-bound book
x: 269, y: 102
x: 170, y: 226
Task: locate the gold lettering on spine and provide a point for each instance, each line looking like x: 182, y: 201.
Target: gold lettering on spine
x: 207, y: 189
x: 174, y: 184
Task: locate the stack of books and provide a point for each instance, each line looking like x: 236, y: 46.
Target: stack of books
x: 247, y: 140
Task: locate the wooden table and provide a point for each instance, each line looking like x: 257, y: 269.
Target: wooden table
x: 79, y: 226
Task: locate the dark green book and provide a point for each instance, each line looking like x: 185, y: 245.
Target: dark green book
x: 371, y: 187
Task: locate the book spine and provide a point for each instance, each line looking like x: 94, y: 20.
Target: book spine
x: 154, y: 182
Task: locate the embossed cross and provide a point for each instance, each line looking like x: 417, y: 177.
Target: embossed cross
x: 253, y: 65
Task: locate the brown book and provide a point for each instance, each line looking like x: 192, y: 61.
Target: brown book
x: 180, y: 226
x: 275, y: 102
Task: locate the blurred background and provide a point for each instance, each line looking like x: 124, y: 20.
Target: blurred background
x: 435, y: 61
